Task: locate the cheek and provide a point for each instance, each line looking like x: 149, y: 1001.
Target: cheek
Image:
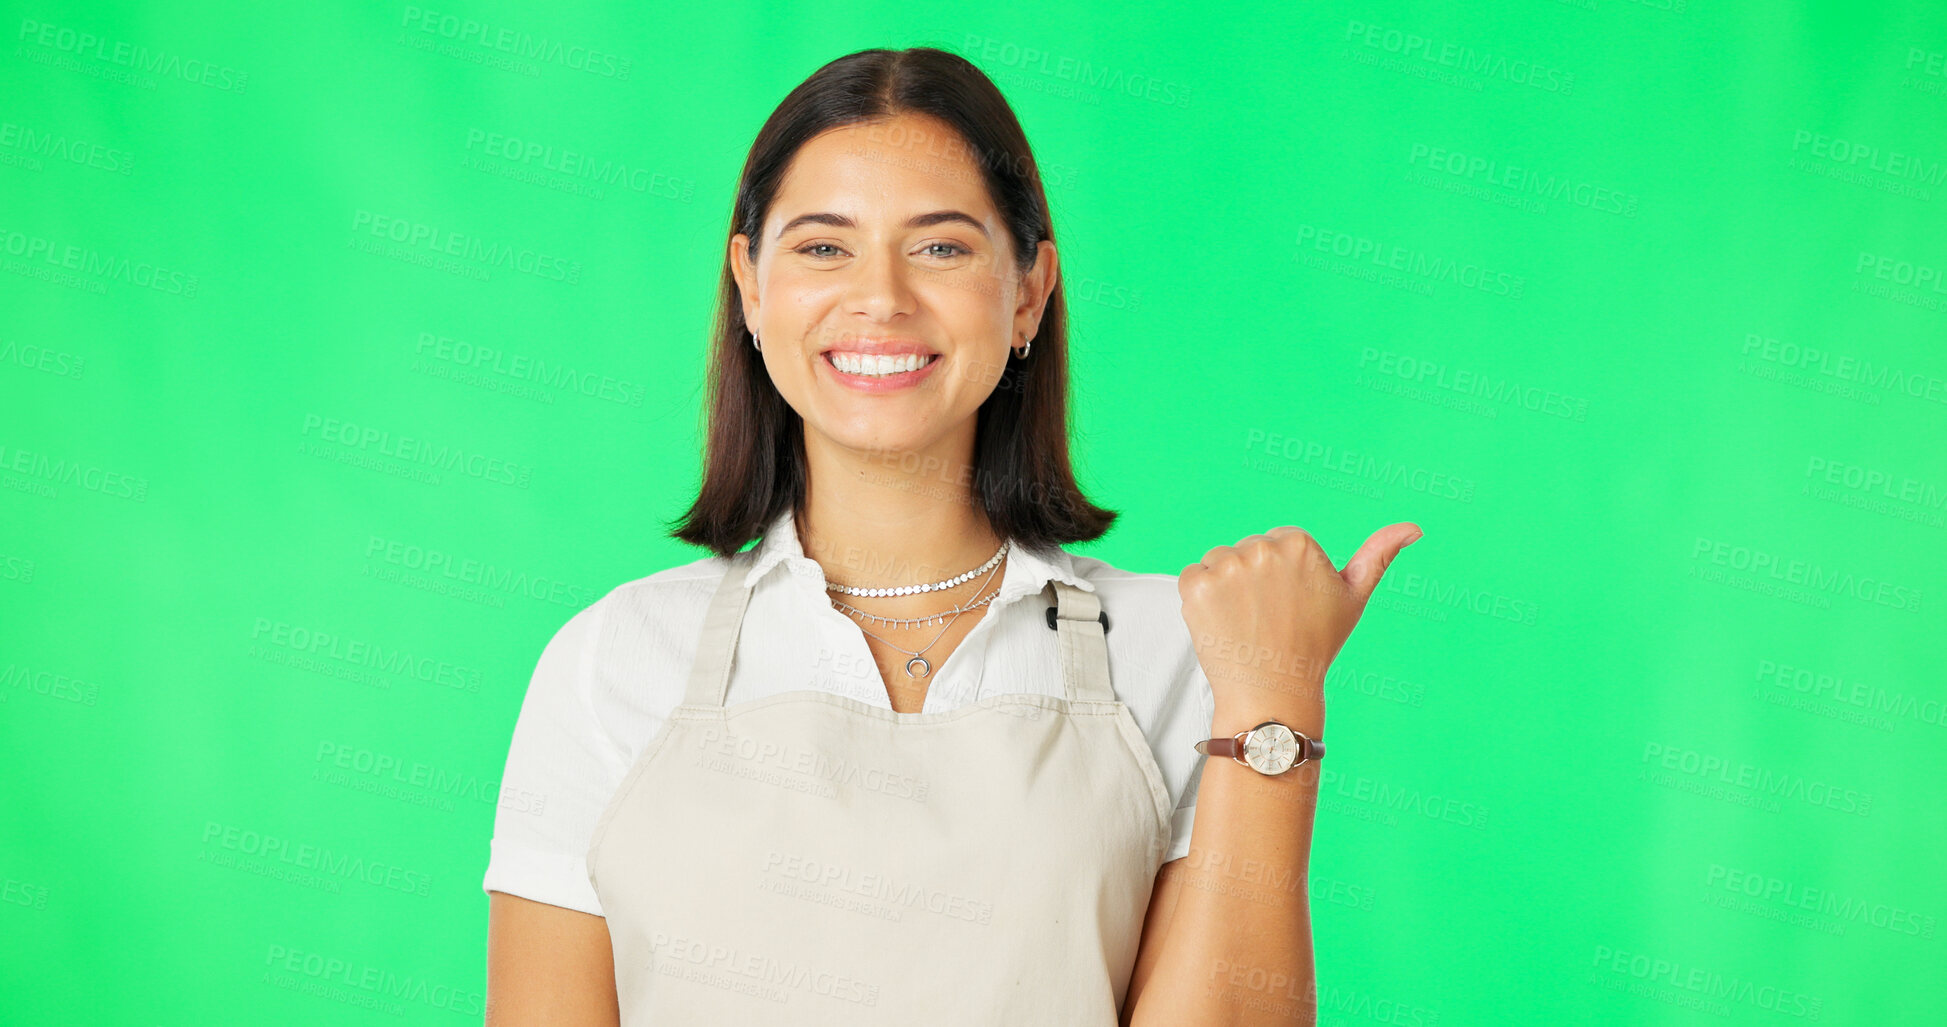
x: 789, y: 287
x: 979, y: 316
x: 979, y: 371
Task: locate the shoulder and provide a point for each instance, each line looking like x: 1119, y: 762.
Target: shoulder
x: 608, y: 676
x: 648, y: 620
x: 1143, y: 594
x: 1095, y: 570
x: 634, y: 612
x: 1147, y: 638
x: 627, y: 635
x: 636, y: 645
x: 653, y: 602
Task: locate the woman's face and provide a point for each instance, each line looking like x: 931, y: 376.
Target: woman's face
x: 882, y: 237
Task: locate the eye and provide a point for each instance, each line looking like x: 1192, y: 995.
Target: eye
x: 955, y: 248
x: 808, y: 247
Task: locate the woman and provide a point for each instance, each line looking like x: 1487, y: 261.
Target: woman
x: 906, y: 760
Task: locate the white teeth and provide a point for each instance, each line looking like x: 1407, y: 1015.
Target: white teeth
x: 878, y: 366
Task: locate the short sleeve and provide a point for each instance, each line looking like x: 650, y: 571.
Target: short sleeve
x: 559, y: 775
x: 1185, y: 814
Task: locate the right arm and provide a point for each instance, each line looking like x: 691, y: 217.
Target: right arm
x: 549, y: 959
x: 548, y: 965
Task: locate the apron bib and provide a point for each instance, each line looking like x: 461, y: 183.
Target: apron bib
x: 806, y: 858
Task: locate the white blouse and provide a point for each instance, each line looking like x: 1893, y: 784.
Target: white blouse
x: 609, y: 677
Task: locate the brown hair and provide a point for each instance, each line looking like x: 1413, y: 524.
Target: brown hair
x: 754, y: 467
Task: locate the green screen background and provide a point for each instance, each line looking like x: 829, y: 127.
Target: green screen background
x: 1635, y: 307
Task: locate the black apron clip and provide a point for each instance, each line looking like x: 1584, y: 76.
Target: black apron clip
x: 1103, y: 617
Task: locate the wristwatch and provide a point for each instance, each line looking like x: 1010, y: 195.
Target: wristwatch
x: 1270, y: 748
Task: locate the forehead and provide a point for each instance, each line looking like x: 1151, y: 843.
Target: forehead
x: 883, y: 169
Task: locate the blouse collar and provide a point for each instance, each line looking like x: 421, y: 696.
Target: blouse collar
x: 1024, y: 572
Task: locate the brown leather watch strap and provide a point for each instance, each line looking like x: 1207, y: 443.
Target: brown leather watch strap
x: 1308, y: 748
x: 1222, y: 747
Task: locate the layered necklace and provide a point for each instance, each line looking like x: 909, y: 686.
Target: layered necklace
x: 918, y: 666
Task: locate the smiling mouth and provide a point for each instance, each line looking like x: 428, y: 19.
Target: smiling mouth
x: 880, y: 366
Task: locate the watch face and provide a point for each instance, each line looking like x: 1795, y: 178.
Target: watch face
x: 1271, y: 749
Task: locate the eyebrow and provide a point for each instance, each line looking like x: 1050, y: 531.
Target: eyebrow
x: 926, y: 220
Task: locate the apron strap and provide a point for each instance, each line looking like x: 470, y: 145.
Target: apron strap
x: 717, y: 641
x: 1084, y: 649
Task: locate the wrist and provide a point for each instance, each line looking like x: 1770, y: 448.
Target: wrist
x: 1258, y: 695
x: 1231, y: 717
x: 1261, y: 753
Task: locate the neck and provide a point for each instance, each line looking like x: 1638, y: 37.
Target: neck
x: 878, y: 518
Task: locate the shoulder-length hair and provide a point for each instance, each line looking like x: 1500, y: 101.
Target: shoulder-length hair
x: 754, y: 465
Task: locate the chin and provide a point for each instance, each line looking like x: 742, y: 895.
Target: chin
x: 864, y: 437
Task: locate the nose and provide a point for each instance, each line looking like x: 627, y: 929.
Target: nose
x: 881, y: 287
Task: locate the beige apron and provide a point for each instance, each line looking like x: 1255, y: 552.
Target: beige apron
x: 806, y: 858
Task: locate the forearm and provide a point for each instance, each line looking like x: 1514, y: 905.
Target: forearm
x: 1239, y: 949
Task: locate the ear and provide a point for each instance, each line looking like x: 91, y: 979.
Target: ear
x: 745, y: 273
x: 1037, y: 285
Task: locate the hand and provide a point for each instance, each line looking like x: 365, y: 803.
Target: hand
x: 1270, y: 613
